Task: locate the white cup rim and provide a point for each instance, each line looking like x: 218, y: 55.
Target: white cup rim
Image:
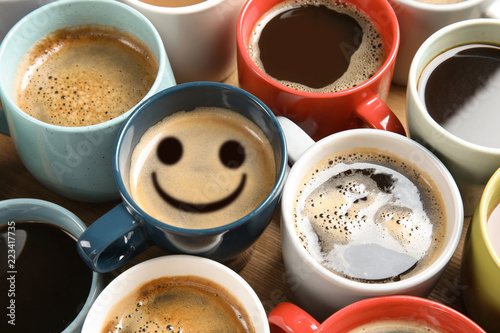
x: 432, y: 270
x: 440, y: 7
x: 183, y: 10
x: 418, y: 65
x: 161, y: 267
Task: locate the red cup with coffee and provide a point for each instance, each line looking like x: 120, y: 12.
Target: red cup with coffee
x: 397, y: 313
x: 325, y: 64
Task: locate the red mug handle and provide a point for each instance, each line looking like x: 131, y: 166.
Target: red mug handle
x: 377, y: 114
x: 289, y: 318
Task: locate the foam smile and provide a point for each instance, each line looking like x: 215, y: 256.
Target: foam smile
x: 199, y: 208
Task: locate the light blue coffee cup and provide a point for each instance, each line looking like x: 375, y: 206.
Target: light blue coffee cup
x: 75, y: 162
x: 40, y: 211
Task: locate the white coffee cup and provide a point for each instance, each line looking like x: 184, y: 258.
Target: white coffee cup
x: 318, y: 290
x: 471, y: 164
x: 176, y: 265
x: 418, y: 20
x: 200, y: 39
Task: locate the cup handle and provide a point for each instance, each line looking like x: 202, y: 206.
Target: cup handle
x: 377, y: 114
x: 297, y: 141
x: 289, y: 318
x: 112, y: 240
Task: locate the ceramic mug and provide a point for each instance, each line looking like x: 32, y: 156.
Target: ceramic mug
x: 13, y: 211
x: 200, y: 39
x: 176, y: 265
x: 470, y: 164
x: 481, y: 260
x: 289, y: 318
x: 319, y: 290
x: 127, y: 229
x: 72, y: 161
x: 429, y: 17
x: 321, y: 114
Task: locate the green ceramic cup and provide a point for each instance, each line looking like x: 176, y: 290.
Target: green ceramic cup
x: 481, y: 263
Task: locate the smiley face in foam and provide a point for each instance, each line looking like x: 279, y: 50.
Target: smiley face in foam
x: 231, y: 155
x: 202, y: 168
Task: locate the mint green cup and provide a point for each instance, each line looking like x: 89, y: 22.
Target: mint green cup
x: 75, y: 162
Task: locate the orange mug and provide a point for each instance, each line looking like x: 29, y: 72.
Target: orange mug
x: 376, y: 312
x: 320, y: 114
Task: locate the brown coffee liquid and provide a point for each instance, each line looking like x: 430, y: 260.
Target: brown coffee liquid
x: 49, y: 282
x: 178, y: 304
x: 394, y: 326
x: 311, y: 46
x: 462, y: 93
x: 84, y: 75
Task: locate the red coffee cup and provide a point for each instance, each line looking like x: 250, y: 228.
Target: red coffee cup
x: 321, y: 114
x: 289, y: 318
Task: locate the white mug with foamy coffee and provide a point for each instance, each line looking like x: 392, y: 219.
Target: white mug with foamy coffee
x: 198, y: 294
x: 365, y: 213
x: 418, y: 19
x: 452, y: 101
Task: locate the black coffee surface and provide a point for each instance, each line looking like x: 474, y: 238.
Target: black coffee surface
x: 310, y: 45
x: 462, y: 92
x: 49, y: 282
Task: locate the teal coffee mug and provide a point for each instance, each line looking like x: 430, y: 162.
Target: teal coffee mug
x: 46, y: 287
x: 75, y: 162
x: 200, y: 168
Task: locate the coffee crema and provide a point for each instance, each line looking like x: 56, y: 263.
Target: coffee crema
x: 172, y: 3
x: 317, y: 46
x: 84, y: 75
x: 394, y: 326
x: 369, y: 197
x: 50, y: 282
x: 178, y: 304
x: 460, y: 89
x: 202, y: 168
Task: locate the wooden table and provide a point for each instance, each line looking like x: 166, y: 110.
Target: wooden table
x: 265, y: 270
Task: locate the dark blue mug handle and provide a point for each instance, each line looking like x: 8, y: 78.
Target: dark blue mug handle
x: 112, y: 240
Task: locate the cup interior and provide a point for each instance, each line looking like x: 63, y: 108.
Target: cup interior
x: 187, y: 97
x: 175, y: 265
x: 60, y: 14
x: 380, y: 12
x: 406, y: 308
x: 400, y: 146
x: 46, y: 212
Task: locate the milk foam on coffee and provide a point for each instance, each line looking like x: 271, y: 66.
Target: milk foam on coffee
x: 368, y: 197
x: 84, y: 75
x: 494, y: 229
x: 178, y: 304
x: 367, y: 59
x: 190, y: 185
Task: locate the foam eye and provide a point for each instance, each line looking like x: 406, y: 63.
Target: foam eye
x: 169, y: 150
x: 232, y: 154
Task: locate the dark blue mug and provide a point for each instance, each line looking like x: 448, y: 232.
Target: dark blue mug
x: 127, y: 229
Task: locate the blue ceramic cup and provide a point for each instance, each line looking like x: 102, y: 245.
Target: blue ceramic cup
x: 127, y: 229
x: 72, y: 161
x: 12, y: 212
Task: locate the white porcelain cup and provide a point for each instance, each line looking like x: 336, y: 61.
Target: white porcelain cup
x: 418, y: 20
x: 200, y: 39
x: 471, y: 164
x: 318, y: 290
x: 176, y: 265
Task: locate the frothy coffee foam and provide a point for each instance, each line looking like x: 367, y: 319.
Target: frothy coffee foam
x: 178, y: 304
x: 394, y: 326
x: 199, y: 177
x: 84, y: 75
x: 368, y: 197
x: 365, y: 61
